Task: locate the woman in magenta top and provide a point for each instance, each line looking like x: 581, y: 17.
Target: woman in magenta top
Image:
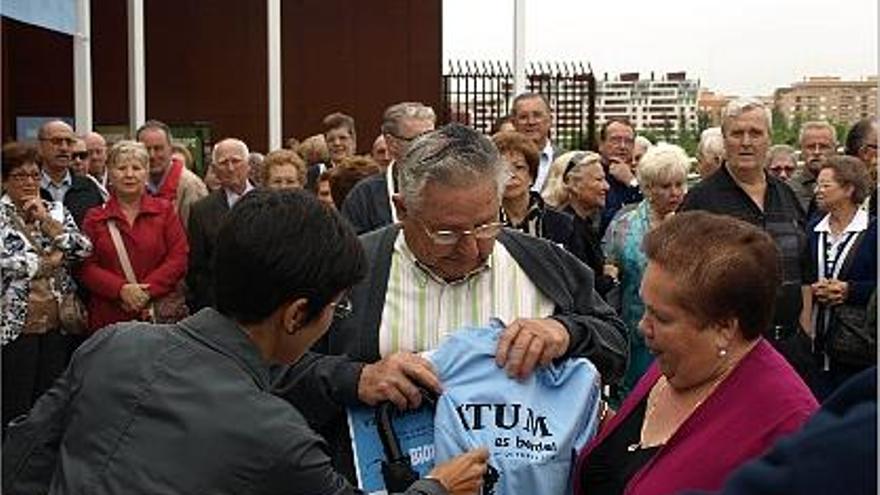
x: 717, y: 394
x: 151, y: 232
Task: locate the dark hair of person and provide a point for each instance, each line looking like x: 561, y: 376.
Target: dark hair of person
x: 725, y: 269
x: 347, y: 174
x: 278, y: 246
x: 154, y: 124
x: 850, y: 171
x: 515, y: 142
x: 339, y: 120
x: 856, y: 136
x: 500, y: 121
x: 603, y: 130
x: 17, y: 155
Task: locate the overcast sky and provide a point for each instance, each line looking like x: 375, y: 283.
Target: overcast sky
x: 741, y: 47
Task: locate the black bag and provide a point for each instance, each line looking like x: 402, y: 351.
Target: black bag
x: 852, y: 339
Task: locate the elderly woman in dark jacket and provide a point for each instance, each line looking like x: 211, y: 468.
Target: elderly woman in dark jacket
x: 40, y: 242
x: 843, y: 258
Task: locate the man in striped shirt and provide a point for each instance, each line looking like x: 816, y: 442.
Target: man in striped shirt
x: 440, y: 268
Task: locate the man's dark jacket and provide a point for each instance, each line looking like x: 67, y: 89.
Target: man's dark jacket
x: 82, y: 196
x: 206, y: 216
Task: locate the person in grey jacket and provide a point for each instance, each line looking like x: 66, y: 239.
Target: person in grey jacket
x: 188, y: 408
x: 442, y: 269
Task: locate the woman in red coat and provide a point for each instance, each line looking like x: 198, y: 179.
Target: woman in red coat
x: 153, y: 237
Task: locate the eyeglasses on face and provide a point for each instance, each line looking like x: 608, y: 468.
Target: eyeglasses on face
x: 59, y: 140
x: 80, y: 155
x: 24, y: 176
x: 451, y: 237
x: 406, y: 140
x: 342, y: 308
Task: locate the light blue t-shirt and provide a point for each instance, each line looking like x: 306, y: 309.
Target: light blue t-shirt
x: 533, y: 428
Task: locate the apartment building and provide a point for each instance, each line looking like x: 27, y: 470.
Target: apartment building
x: 828, y: 98
x: 654, y: 103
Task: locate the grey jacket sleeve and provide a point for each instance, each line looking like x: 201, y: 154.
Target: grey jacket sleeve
x: 319, y: 386
x: 597, y: 333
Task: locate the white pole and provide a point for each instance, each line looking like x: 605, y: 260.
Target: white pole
x: 82, y: 68
x: 273, y: 20
x: 136, y: 66
x: 519, y: 46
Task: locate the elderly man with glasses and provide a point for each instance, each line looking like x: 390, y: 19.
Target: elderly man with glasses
x: 449, y: 263
x: 56, y: 142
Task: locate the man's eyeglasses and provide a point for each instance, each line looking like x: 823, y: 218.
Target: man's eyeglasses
x: 58, y: 140
x: 342, y: 308
x: 451, y: 237
x: 406, y: 140
x: 24, y: 176
x: 80, y: 155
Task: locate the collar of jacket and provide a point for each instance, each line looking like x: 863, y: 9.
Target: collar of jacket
x: 225, y: 336
x: 112, y: 210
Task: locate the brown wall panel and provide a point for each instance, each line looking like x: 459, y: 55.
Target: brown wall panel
x: 37, y: 73
x: 357, y: 57
x: 206, y: 61
x: 109, y: 63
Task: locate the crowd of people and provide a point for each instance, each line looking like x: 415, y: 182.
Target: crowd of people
x: 703, y: 290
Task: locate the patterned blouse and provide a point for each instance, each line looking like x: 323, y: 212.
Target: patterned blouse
x: 623, y: 248
x: 20, y: 261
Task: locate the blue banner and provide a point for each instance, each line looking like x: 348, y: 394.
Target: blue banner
x: 57, y: 15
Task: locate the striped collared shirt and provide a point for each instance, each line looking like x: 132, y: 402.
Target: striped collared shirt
x: 421, y: 308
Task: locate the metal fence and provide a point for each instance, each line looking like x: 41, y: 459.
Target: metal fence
x: 479, y: 93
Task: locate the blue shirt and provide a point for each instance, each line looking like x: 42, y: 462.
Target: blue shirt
x: 533, y: 428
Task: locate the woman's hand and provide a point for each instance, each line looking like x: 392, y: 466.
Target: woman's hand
x: 134, y: 297
x: 462, y: 474
x: 830, y: 291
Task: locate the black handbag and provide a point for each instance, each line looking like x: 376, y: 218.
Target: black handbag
x: 852, y: 339
x: 852, y: 336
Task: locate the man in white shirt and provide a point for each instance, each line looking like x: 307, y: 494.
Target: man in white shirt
x: 533, y: 117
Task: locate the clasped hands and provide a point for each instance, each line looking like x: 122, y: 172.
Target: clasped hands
x: 134, y: 297
x: 830, y: 291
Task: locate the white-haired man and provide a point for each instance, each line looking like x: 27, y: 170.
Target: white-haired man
x: 368, y: 206
x: 742, y: 188
x: 230, y: 161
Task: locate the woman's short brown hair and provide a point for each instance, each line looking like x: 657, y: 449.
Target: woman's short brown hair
x: 511, y: 141
x: 725, y: 269
x: 16, y: 155
x: 282, y: 157
x: 344, y: 176
x: 850, y: 171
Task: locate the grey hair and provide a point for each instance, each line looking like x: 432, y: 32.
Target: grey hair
x: 576, y: 173
x: 643, y: 142
x: 661, y: 163
x: 740, y: 106
x: 453, y: 156
x: 395, y: 114
x: 711, y: 141
x: 127, y: 148
x: 245, y: 153
x: 818, y: 124
x: 780, y: 150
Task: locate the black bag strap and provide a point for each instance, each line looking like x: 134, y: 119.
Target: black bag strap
x: 851, y: 255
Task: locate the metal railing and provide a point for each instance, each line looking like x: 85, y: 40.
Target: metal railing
x: 479, y: 93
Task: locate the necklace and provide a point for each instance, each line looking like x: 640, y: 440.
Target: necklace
x: 653, y: 398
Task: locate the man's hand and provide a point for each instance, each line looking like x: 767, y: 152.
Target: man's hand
x: 620, y: 170
x: 463, y: 474
x: 529, y: 342
x: 396, y: 379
